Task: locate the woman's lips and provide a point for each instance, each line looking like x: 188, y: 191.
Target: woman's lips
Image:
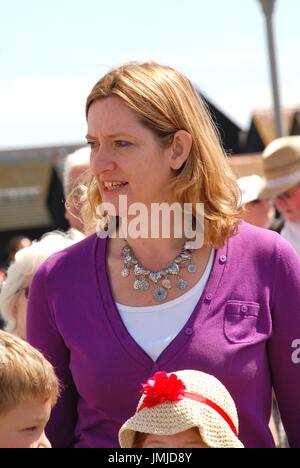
x: 113, y: 186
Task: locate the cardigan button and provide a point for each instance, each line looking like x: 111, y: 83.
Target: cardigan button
x: 244, y: 308
x: 209, y: 296
x: 223, y: 258
x: 188, y: 331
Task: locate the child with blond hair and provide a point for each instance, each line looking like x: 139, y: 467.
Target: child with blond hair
x: 29, y: 389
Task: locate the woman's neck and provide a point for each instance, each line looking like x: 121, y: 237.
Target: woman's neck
x: 156, y: 254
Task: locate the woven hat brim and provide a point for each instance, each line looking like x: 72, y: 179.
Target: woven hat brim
x: 161, y: 420
x: 271, y: 192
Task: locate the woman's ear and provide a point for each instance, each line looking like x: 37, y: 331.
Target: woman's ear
x: 180, y: 149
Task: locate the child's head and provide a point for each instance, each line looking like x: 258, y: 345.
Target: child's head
x: 28, y: 391
x: 182, y: 409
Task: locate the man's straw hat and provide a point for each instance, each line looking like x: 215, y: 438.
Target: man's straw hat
x: 182, y: 400
x: 281, y: 164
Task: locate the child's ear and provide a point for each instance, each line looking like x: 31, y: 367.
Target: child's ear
x: 180, y: 149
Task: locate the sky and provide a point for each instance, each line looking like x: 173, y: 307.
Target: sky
x: 53, y: 52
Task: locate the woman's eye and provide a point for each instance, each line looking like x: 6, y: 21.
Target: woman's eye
x: 122, y: 143
x: 92, y: 144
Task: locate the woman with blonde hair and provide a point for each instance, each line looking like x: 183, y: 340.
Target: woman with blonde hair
x: 142, y: 300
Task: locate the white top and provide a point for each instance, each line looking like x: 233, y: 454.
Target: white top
x: 154, y: 327
x: 291, y: 232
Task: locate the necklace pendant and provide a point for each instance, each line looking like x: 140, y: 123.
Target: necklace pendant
x: 192, y: 268
x: 141, y: 285
x: 145, y: 285
x: 125, y: 272
x: 155, y: 276
x: 173, y: 269
x: 178, y: 259
x: 141, y: 271
x: 126, y: 250
x: 185, y: 256
x: 181, y: 284
x: 166, y: 283
x: 160, y: 293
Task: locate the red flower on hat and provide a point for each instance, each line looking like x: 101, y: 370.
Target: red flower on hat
x: 162, y: 387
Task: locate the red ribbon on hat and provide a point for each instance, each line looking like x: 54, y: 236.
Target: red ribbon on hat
x: 213, y: 405
x: 163, y: 387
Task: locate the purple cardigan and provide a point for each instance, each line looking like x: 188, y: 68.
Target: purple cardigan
x: 242, y: 331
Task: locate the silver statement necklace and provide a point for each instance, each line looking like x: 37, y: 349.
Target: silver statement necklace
x: 161, y: 280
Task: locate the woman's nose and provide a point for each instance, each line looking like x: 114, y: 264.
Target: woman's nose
x: 101, y: 160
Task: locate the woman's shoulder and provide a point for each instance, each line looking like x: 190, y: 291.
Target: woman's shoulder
x: 248, y: 232
x: 74, y: 258
x: 261, y: 242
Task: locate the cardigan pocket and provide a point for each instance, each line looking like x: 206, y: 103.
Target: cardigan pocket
x: 240, y: 322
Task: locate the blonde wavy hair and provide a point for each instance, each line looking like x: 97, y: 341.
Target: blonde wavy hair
x: 165, y: 101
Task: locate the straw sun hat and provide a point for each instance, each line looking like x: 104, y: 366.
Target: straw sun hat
x: 182, y: 400
x: 281, y: 164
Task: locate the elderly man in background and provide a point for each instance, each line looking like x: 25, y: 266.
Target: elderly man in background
x: 281, y: 163
x: 257, y: 209
x: 76, y: 169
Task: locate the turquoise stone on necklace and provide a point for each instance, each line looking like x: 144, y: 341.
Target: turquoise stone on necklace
x: 160, y: 294
x: 192, y: 268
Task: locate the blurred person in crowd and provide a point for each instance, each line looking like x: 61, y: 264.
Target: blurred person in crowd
x: 2, y: 278
x: 16, y: 243
x: 258, y: 211
x: 15, y: 289
x: 229, y: 307
x: 76, y: 169
x: 28, y: 391
x: 281, y: 163
x: 181, y: 409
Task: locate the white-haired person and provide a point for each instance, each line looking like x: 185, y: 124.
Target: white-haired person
x: 15, y: 288
x: 182, y: 409
x: 258, y: 210
x: 76, y: 169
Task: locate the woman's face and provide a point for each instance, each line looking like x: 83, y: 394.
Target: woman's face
x: 126, y: 157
